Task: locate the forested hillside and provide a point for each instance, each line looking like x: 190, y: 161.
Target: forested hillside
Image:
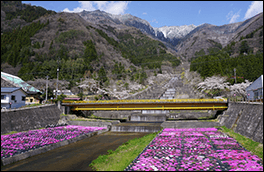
x: 78, y: 48
x: 248, y: 62
x: 35, y: 42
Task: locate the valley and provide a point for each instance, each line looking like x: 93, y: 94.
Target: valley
x: 97, y: 56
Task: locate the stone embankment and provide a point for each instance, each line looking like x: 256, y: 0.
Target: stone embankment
x: 245, y: 119
x: 30, y: 118
x: 24, y: 119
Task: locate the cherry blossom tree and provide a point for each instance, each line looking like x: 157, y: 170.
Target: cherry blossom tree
x: 217, y: 82
x: 212, y: 83
x: 240, y: 89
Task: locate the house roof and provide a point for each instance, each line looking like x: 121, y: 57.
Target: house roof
x: 18, y: 82
x: 258, y: 83
x: 10, y: 89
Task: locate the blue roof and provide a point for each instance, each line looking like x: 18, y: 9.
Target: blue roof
x: 258, y: 83
x: 9, y: 89
x: 16, y: 81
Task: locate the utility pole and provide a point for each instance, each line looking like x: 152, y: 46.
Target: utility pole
x: 57, y: 78
x: 57, y: 83
x: 235, y: 74
x: 47, y: 89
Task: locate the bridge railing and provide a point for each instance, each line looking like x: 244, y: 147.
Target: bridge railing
x: 244, y: 100
x: 148, y: 101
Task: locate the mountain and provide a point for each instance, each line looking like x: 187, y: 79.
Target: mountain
x: 174, y: 34
x: 208, y: 36
x: 35, y: 42
x: 171, y: 34
x: 185, y: 40
x: 91, y: 45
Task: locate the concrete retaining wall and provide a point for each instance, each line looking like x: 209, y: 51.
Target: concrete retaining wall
x: 94, y: 124
x: 245, y: 119
x: 29, y: 118
x: 191, y: 115
x: 148, y: 129
x: 113, y: 114
x: 189, y: 124
x: 148, y: 117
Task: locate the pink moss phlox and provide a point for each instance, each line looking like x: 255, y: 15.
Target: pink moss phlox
x: 23, y: 141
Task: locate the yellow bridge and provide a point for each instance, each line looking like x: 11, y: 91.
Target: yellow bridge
x: 149, y: 104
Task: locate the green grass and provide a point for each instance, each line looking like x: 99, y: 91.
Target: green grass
x: 252, y: 146
x: 79, y: 119
x: 207, y: 118
x: 91, y: 120
x: 119, y: 159
x: 180, y: 111
x: 32, y: 105
x: 13, y: 132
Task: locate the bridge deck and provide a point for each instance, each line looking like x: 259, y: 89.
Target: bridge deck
x: 149, y: 104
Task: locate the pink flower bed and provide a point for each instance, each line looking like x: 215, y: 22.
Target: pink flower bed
x: 192, y: 149
x: 17, y: 143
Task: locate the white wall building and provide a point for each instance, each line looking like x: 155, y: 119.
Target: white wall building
x: 65, y: 92
x: 13, y: 97
x: 255, y: 90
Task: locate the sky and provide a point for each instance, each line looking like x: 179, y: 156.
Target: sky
x: 166, y: 13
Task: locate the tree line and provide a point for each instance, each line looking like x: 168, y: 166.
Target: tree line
x: 29, y: 14
x: 248, y: 66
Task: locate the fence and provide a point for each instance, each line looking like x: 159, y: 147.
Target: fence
x: 28, y: 106
x: 245, y: 100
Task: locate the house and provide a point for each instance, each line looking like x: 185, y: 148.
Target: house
x: 8, y: 80
x: 31, y: 100
x: 255, y: 90
x: 65, y: 92
x: 12, y: 97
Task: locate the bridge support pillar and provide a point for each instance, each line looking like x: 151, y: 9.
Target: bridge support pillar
x: 66, y: 109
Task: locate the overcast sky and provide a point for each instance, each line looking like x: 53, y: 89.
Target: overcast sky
x: 166, y: 13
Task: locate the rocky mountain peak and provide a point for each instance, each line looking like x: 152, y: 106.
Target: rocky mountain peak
x: 172, y: 32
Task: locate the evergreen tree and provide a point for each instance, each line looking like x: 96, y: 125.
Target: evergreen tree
x: 244, y: 48
x: 51, y: 45
x: 90, y: 53
x: 43, y: 44
x: 102, y: 75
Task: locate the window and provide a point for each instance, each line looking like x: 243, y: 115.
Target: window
x: 256, y: 95
x: 31, y: 100
x: 3, y: 97
x: 13, y: 97
x: 23, y: 98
